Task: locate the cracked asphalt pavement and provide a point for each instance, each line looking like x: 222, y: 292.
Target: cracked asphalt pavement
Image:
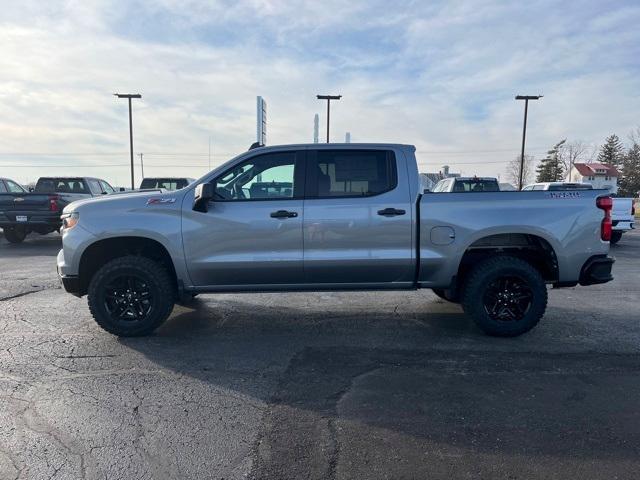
x: 317, y: 385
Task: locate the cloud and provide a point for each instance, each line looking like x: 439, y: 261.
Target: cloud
x: 439, y: 75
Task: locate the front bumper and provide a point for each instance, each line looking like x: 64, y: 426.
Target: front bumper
x: 597, y: 270
x: 70, y: 282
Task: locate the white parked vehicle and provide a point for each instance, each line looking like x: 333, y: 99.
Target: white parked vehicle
x: 467, y: 184
x: 622, y: 215
x: 554, y: 186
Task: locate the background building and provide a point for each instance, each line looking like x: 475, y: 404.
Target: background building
x: 599, y: 175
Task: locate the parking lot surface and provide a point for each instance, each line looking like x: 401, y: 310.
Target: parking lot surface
x: 317, y: 385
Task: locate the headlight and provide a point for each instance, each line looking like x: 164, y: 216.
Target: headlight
x: 70, y: 220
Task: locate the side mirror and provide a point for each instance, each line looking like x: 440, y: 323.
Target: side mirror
x: 121, y: 189
x: 202, y: 196
x: 31, y: 189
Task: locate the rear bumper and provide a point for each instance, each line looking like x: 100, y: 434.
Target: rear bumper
x: 623, y: 225
x: 34, y: 220
x: 597, y: 270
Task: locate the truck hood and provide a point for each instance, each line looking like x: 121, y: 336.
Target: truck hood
x: 121, y: 200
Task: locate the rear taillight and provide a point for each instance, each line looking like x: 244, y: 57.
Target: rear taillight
x: 53, y: 203
x: 606, y: 204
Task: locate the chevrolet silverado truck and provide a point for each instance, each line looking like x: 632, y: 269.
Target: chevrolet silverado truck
x: 331, y: 217
x: 39, y: 211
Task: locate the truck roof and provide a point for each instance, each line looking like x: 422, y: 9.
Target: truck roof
x: 336, y: 145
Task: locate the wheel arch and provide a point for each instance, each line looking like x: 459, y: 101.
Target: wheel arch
x: 530, y: 247
x: 102, y: 251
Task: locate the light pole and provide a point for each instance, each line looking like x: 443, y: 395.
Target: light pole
x: 141, y: 165
x: 129, y: 96
x: 328, y: 98
x: 526, y: 99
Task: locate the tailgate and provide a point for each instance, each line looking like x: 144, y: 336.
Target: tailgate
x: 12, y: 204
x: 621, y: 208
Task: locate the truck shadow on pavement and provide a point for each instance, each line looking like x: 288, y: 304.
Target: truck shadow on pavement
x: 350, y: 394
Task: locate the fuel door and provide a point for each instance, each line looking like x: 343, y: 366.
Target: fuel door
x: 442, y: 235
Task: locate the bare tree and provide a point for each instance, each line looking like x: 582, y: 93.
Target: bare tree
x: 575, y: 152
x: 513, y: 171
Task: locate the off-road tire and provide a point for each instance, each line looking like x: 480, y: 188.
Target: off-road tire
x: 15, y: 234
x: 616, y: 236
x: 447, y: 295
x: 159, y: 281
x: 478, y: 282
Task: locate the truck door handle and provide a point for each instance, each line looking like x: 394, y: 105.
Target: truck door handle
x: 391, y: 212
x: 283, y: 214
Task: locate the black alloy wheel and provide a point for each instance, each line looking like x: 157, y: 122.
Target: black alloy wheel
x: 507, y: 298
x: 128, y: 298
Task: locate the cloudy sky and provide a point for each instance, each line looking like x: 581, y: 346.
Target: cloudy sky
x: 440, y: 75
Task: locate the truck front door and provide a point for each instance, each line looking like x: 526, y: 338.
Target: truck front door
x: 357, y: 218
x: 252, y: 231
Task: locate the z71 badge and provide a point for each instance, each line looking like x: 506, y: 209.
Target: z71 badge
x: 160, y: 201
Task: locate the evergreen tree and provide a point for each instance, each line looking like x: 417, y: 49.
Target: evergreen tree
x: 551, y: 168
x: 612, y: 152
x: 629, y: 184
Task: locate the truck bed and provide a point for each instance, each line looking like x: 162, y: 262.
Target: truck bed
x: 453, y: 223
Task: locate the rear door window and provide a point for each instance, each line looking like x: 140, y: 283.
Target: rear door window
x: 3, y: 189
x: 351, y: 173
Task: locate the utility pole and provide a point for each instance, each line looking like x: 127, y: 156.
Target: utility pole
x: 526, y: 99
x: 129, y: 96
x: 141, y: 165
x: 316, y: 128
x: 328, y: 98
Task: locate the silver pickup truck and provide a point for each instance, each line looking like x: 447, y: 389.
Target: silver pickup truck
x: 331, y: 217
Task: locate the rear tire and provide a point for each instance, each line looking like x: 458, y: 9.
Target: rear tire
x: 616, y: 236
x: 446, y: 295
x: 131, y: 296
x: 15, y: 234
x: 505, y: 296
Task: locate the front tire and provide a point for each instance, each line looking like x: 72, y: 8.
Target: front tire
x: 131, y: 296
x: 505, y: 296
x: 616, y: 236
x: 15, y: 234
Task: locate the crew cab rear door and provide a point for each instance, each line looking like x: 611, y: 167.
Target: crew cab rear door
x: 357, y: 218
x: 251, y: 233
